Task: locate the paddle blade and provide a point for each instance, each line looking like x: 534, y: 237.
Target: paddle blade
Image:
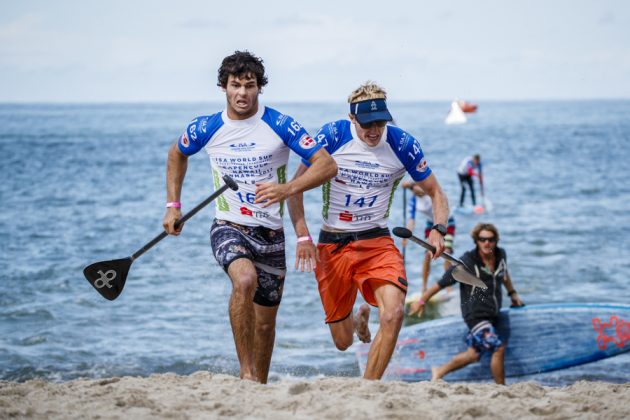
x: 464, y: 276
x: 402, y: 232
x: 108, y: 277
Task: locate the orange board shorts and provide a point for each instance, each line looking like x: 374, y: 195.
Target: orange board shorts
x: 341, y: 273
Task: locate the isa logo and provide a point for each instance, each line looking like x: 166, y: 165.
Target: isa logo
x: 242, y: 146
x: 306, y: 142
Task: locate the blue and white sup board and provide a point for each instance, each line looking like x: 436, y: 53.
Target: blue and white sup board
x: 539, y: 338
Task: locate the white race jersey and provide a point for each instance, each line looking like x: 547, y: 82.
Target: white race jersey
x: 360, y: 196
x: 250, y: 151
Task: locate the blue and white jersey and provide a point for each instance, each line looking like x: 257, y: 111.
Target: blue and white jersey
x: 250, y: 151
x: 361, y: 194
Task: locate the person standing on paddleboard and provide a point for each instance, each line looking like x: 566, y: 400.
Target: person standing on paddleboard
x: 250, y: 143
x: 468, y: 168
x: 480, y: 308
x: 355, y: 248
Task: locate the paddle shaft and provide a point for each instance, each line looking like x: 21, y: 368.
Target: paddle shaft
x: 187, y: 216
x: 431, y: 248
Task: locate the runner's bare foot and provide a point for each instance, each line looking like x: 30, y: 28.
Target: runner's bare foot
x: 361, y: 323
x: 435, y: 375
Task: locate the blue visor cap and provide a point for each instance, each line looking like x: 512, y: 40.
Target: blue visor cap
x: 370, y: 110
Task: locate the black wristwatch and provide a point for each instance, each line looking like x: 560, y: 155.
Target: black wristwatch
x: 440, y: 228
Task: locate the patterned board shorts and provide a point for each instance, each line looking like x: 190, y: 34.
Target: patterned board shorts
x: 261, y: 245
x: 483, y: 338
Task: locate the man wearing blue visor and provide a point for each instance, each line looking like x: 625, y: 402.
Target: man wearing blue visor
x: 356, y: 251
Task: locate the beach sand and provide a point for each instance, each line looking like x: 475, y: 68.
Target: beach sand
x: 206, y: 395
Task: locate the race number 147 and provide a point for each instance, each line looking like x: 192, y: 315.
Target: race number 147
x: 361, y: 201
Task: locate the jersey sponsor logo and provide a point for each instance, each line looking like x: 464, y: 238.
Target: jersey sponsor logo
x: 346, y: 216
x: 422, y: 166
x: 306, y: 142
x: 242, y: 146
x: 362, y: 217
x: 254, y: 213
x: 184, y: 140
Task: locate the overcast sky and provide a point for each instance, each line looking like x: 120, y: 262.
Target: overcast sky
x: 143, y: 51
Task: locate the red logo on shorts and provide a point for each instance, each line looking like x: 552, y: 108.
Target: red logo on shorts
x: 246, y: 211
x: 346, y: 216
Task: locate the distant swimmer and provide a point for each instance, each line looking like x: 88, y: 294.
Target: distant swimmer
x: 357, y: 252
x: 468, y: 168
x: 420, y: 202
x: 480, y: 308
x: 251, y: 143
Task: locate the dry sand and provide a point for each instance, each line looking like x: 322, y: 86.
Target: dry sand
x: 206, y: 395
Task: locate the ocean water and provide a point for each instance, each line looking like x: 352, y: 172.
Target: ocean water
x: 84, y: 183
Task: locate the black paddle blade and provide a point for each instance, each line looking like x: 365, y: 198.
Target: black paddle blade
x: 402, y: 232
x: 108, y: 277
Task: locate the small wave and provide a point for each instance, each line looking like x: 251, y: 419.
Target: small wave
x: 28, y: 314
x: 33, y: 340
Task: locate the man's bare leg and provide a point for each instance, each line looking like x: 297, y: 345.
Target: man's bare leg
x: 342, y: 332
x: 391, y: 301
x: 426, y: 269
x: 497, y: 365
x: 242, y: 315
x: 360, y: 323
x: 457, y: 362
x: 264, y: 338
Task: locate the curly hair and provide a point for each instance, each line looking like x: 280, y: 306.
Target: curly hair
x: 368, y: 90
x: 484, y: 226
x: 241, y: 64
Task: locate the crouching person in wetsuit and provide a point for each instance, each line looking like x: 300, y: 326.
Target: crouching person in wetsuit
x: 480, y: 308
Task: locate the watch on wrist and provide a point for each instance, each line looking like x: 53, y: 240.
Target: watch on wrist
x: 440, y: 228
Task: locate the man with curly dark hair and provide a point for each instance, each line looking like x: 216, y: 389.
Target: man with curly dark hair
x: 250, y: 143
